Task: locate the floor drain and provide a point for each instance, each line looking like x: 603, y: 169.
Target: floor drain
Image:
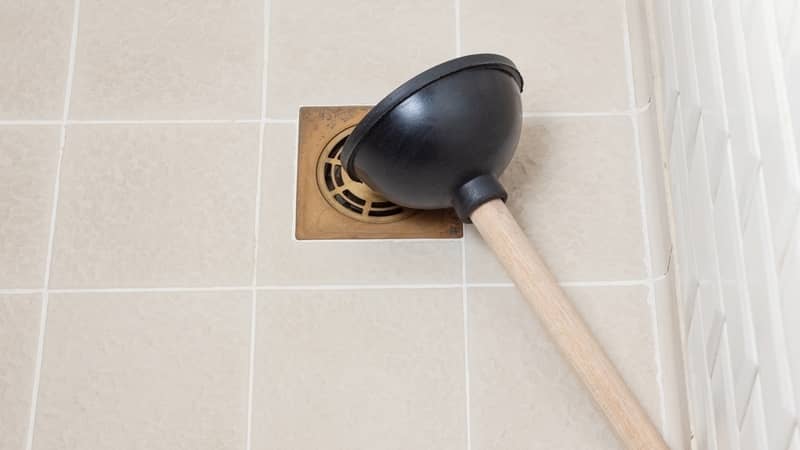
x: 352, y: 198
x: 331, y: 205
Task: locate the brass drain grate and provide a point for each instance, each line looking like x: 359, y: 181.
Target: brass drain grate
x: 352, y: 198
x: 331, y: 205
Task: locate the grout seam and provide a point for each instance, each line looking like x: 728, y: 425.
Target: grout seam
x: 20, y: 291
x: 609, y: 283
x: 287, y: 121
x: 465, y: 307
x: 344, y: 287
x: 664, y: 75
x: 148, y: 289
x: 162, y: 121
x: 291, y: 287
x: 578, y: 114
x: 363, y: 240
x: 30, y: 122
x: 37, y: 373
x: 263, y: 121
x: 71, y: 122
x: 629, y: 75
x: 464, y: 290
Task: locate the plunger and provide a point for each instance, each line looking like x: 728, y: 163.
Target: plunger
x: 441, y: 140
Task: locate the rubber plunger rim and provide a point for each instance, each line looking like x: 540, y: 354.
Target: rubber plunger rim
x: 410, y: 87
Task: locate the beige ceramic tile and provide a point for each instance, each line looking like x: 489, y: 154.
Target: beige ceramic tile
x: 524, y: 396
x: 160, y: 205
x: 145, y: 370
x: 570, y: 52
x: 34, y: 42
x: 573, y: 187
x: 283, y: 260
x: 147, y: 59
x: 28, y: 159
x: 365, y: 369
x: 19, y: 335
x: 352, y: 51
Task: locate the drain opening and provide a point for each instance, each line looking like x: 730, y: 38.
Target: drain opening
x: 352, y: 198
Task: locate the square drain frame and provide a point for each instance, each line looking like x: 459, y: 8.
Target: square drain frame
x: 331, y: 206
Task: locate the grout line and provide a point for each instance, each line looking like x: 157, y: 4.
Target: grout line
x: 69, y: 122
x: 280, y: 121
x: 345, y: 287
x: 637, y: 144
x: 287, y: 121
x: 464, y: 290
x: 604, y: 283
x: 494, y: 285
x: 30, y: 122
x: 148, y: 289
x: 612, y: 283
x: 160, y: 121
x: 13, y: 291
x: 251, y: 351
x: 300, y: 287
x: 634, y: 111
x: 70, y: 73
x: 558, y: 114
x: 629, y: 75
x: 37, y: 374
x: 445, y: 240
x: 257, y: 224
x: 578, y: 114
x: 465, y: 307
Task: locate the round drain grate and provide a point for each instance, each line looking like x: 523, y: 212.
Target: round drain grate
x: 352, y: 198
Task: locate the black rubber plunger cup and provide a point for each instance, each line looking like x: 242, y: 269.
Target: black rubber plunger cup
x: 441, y: 140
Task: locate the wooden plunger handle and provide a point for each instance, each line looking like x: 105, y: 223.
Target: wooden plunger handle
x: 566, y: 327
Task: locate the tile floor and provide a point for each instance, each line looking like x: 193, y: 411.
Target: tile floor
x: 152, y: 294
